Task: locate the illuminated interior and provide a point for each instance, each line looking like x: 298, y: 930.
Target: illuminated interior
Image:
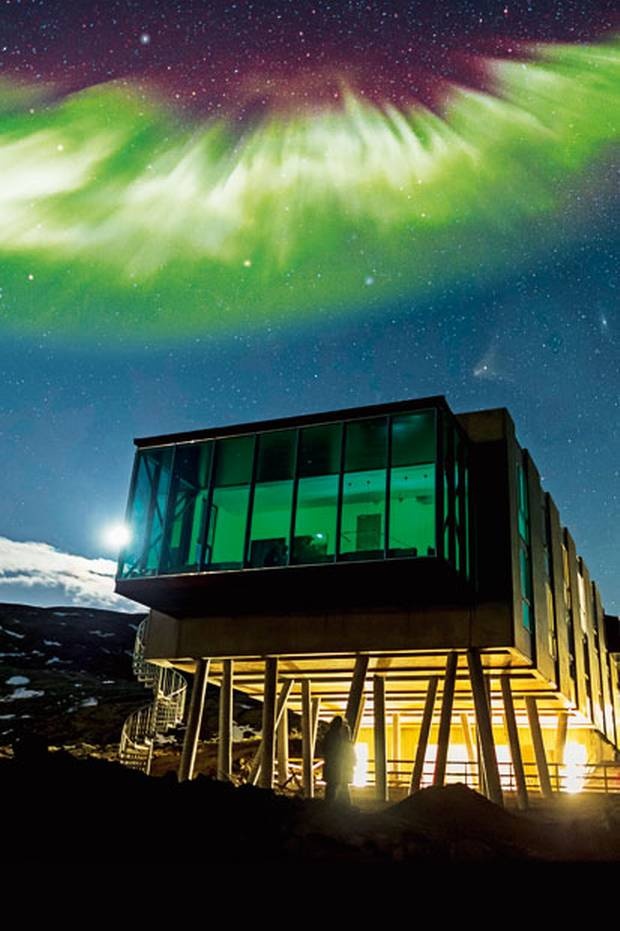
x: 364, y: 489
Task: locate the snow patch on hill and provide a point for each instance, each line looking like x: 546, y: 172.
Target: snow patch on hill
x: 23, y: 693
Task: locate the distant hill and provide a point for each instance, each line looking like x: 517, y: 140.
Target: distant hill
x: 65, y: 673
x: 66, y: 676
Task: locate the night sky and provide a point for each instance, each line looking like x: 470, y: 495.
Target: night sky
x: 221, y: 212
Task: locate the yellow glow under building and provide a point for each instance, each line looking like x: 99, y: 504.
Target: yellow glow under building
x: 397, y: 564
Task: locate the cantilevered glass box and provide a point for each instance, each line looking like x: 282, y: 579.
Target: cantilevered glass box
x: 294, y: 502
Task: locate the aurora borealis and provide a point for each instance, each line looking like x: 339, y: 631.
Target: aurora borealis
x: 217, y: 212
x: 121, y: 201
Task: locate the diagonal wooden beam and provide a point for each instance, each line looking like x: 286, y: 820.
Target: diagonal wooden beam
x: 355, y: 703
x: 194, y: 721
x: 485, y: 728
x: 539, y: 747
x: 425, y: 728
x: 513, y: 741
x: 445, y: 720
x: 285, y: 691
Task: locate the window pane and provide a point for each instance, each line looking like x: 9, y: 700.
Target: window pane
x: 412, y: 511
x: 276, y: 456
x: 141, y: 556
x: 227, y: 523
x: 186, y: 521
x: 319, y: 451
x: 363, y: 515
x: 523, y: 503
x: 412, y: 487
x: 271, y: 524
x: 233, y: 462
x: 413, y: 438
x: 466, y: 492
x: 315, y: 521
x: 524, y: 566
x: 366, y: 445
x: 273, y: 497
x: 229, y: 508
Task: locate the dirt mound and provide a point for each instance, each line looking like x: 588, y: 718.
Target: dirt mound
x: 457, y: 815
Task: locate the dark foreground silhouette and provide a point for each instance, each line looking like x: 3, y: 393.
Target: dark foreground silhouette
x: 60, y: 809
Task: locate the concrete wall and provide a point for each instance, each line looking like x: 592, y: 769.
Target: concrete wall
x: 433, y: 628
x: 543, y: 616
x: 566, y: 683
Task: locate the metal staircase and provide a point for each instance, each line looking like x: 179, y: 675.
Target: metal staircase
x: 165, y: 711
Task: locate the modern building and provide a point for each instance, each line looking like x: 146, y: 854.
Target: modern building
x: 397, y: 564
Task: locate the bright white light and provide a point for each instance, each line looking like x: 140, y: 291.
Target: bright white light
x: 360, y: 773
x: 116, y: 536
x: 575, y: 759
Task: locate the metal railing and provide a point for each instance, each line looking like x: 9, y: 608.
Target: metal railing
x: 165, y: 711
x: 565, y: 778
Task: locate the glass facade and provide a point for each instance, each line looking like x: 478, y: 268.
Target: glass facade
x: 525, y: 570
x: 456, y: 518
x: 363, y: 489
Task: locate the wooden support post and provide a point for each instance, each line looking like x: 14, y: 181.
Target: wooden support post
x: 381, y: 788
x: 443, y: 738
x: 355, y: 704
x: 425, y: 727
x: 224, y: 744
x: 468, y: 738
x: 396, y: 745
x: 513, y: 741
x: 560, y: 746
x: 469, y: 745
x: 485, y: 728
x: 306, y: 738
x: 539, y: 747
x: 285, y: 691
x: 282, y: 749
x: 482, y: 781
x: 194, y: 721
x: 265, y: 779
x: 316, y: 710
x: 484, y: 789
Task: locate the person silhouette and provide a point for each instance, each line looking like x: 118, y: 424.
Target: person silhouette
x: 339, y: 761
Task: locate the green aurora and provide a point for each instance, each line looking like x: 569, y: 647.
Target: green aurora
x: 120, y: 218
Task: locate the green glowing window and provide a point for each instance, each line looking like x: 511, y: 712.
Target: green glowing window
x: 526, y: 587
x: 273, y: 497
x: 467, y: 531
x: 147, y: 512
x: 314, y: 538
x: 458, y: 501
x: 184, y: 541
x: 315, y: 519
x: 228, y: 514
x: 412, y: 486
x: 363, y: 490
